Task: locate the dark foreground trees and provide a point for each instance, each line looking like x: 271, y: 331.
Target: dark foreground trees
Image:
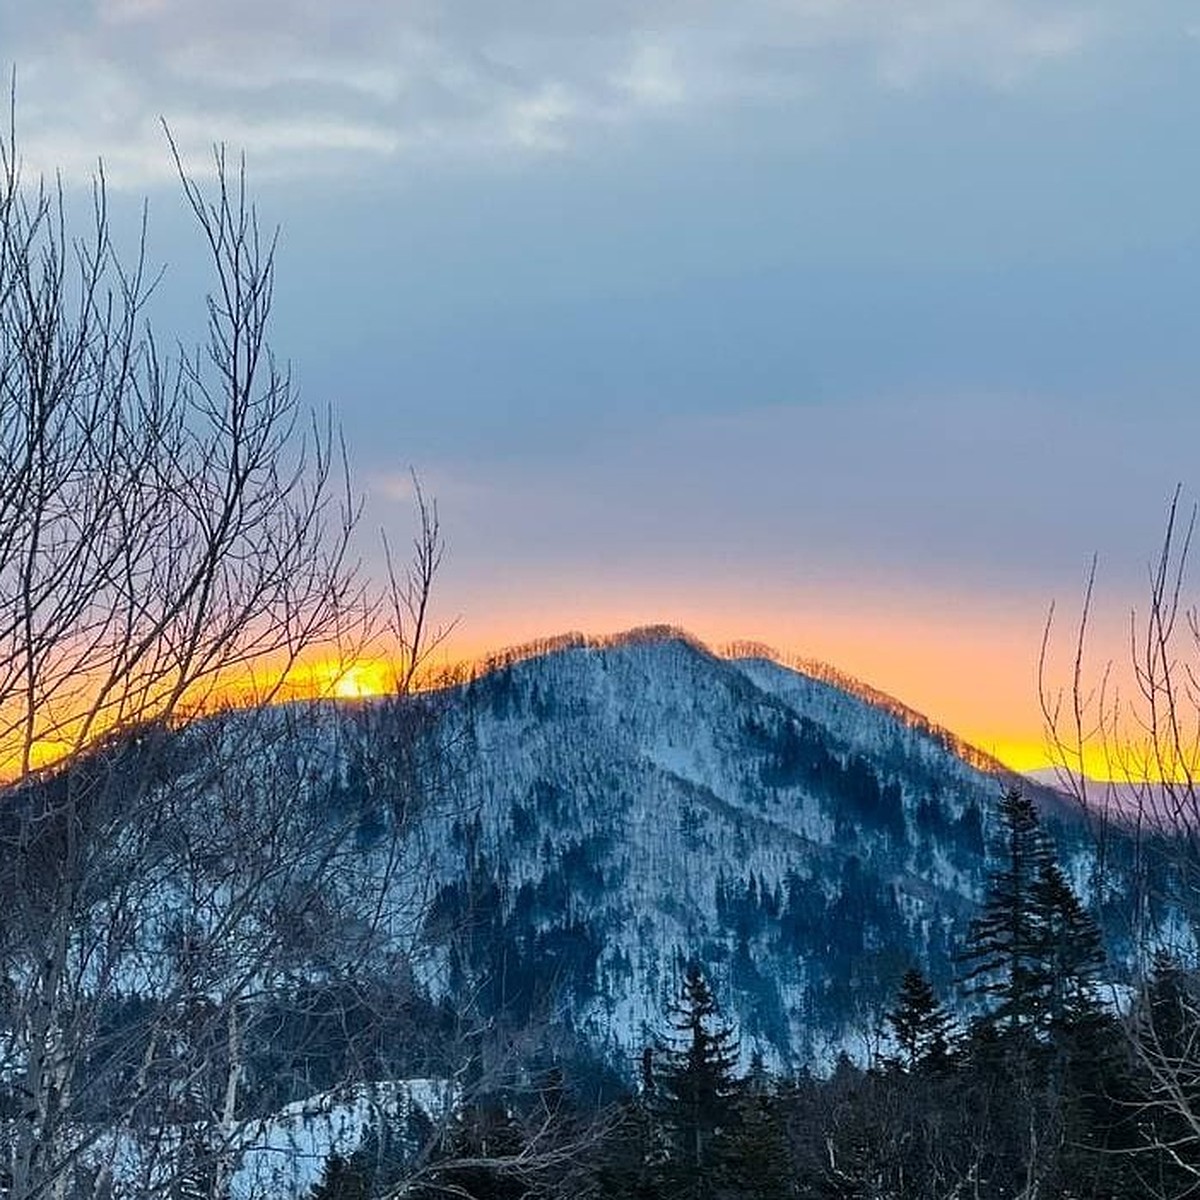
x: 1033, y: 1093
x: 694, y: 1094
x: 1033, y: 954
x: 920, y: 1026
x: 1037, y: 1096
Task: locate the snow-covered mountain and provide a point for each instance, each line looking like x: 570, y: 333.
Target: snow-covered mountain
x: 622, y: 806
x: 496, y: 884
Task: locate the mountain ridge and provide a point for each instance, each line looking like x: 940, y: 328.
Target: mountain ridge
x: 737, y: 649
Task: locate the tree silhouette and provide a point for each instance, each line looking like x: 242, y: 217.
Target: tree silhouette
x: 1004, y: 955
x: 920, y: 1025
x: 696, y: 1092
x: 174, y: 542
x: 1071, y: 949
x: 342, y: 1178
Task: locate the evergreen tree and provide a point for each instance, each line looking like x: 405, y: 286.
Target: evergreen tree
x: 626, y: 1163
x: 1072, y: 954
x: 696, y: 1094
x: 1034, y: 951
x: 1047, y: 1051
x: 759, y: 1157
x: 920, y: 1025
x: 1004, y: 952
x: 1168, y: 1032
x: 1167, y: 1021
x: 375, y: 1168
x: 484, y: 1143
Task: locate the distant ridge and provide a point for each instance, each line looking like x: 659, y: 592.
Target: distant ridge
x: 815, y: 669
x: 825, y: 673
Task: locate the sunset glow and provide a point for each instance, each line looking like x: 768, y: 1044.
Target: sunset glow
x: 804, y: 360
x: 326, y: 678
x: 992, y: 707
x: 967, y: 664
x: 323, y: 679
x: 967, y: 661
x: 362, y: 679
x: 1036, y: 756
x: 638, y: 558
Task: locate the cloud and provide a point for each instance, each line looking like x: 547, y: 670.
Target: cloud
x: 933, y: 493
x: 379, y: 80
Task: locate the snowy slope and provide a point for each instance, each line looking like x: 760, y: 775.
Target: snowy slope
x: 629, y: 804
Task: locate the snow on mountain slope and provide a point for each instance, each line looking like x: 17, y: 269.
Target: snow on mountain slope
x: 857, y: 717
x: 630, y: 804
x: 599, y: 813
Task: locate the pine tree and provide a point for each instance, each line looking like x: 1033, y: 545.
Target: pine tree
x: 696, y: 1092
x: 920, y: 1025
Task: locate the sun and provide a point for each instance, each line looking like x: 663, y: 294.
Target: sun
x: 358, y: 681
x: 337, y: 679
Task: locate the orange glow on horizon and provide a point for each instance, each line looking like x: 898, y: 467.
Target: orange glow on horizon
x: 319, y: 679
x: 366, y: 678
x: 336, y: 679
x: 1023, y: 753
x: 1027, y: 756
x: 976, y: 678
x: 360, y: 680
x: 967, y: 669
x: 967, y: 661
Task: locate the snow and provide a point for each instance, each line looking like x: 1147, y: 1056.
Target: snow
x: 285, y: 1155
x: 644, y: 745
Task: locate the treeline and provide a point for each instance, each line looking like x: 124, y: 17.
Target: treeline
x: 1046, y: 1091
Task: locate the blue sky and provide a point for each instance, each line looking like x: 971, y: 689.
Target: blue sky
x: 853, y: 326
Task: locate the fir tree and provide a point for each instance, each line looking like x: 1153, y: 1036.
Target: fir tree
x: 1047, y: 1046
x: 485, y: 1141
x: 625, y: 1163
x: 1072, y: 954
x: 1004, y: 953
x: 759, y: 1156
x: 1168, y: 1032
x: 696, y: 1093
x: 920, y: 1025
x: 1034, y: 951
x: 1167, y: 1022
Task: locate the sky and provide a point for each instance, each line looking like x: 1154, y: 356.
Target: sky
x: 848, y: 326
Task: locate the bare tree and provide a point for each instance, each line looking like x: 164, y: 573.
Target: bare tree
x: 1138, y: 723
x: 174, y: 540
x: 413, y: 638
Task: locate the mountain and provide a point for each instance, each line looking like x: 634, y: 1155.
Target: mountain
x: 217, y: 932
x: 621, y: 806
